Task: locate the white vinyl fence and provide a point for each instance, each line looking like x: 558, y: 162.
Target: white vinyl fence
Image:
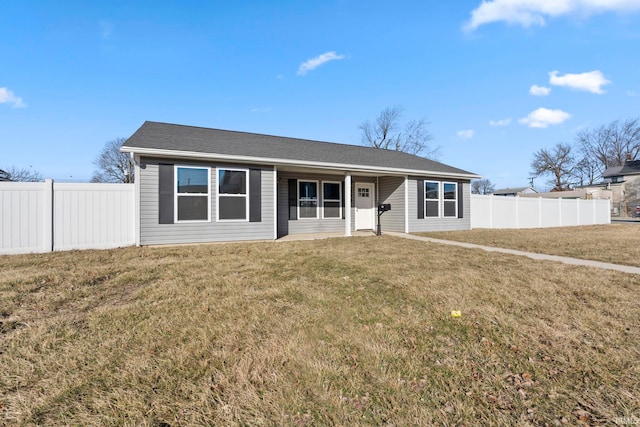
x: 529, y: 212
x: 50, y: 216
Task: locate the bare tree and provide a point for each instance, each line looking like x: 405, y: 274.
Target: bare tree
x: 558, y: 162
x: 388, y: 132
x: 610, y: 144
x: 585, y: 172
x: 113, y: 165
x: 20, y: 175
x: 482, y: 186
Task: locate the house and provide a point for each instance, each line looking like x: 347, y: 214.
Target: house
x: 512, y: 192
x: 196, y: 184
x: 624, y: 184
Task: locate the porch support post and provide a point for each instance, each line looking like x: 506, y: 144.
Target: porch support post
x: 347, y: 204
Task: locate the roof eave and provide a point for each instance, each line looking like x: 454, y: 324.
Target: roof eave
x: 153, y: 152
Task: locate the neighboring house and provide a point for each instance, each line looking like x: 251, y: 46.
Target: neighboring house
x: 585, y: 192
x: 203, y: 185
x: 512, y: 192
x: 624, y: 183
x: 4, y: 176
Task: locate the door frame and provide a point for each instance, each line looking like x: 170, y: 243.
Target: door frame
x: 372, y: 192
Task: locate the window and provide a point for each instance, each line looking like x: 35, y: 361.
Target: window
x: 363, y: 192
x: 332, y: 199
x: 441, y: 199
x: 192, y: 193
x: 307, y: 199
x: 450, y: 199
x: 432, y: 199
x: 233, y: 200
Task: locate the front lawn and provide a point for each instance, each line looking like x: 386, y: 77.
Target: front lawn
x: 615, y: 243
x: 347, y: 331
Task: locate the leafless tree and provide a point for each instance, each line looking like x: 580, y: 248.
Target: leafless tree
x: 113, y: 165
x: 482, y: 186
x: 609, y: 145
x: 585, y: 172
x: 388, y: 132
x: 558, y: 163
x: 20, y: 174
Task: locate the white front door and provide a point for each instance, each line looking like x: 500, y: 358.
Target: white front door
x: 365, y: 213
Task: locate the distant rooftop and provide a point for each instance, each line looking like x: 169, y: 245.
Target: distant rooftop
x: 514, y: 190
x: 630, y: 167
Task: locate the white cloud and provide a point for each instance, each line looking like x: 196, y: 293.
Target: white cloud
x: 543, y: 118
x: 465, y: 134
x: 498, y: 123
x: 632, y: 93
x: 8, y: 97
x: 536, y: 90
x: 106, y: 29
x: 535, y: 12
x: 260, y: 109
x: 590, y: 82
x: 314, y: 63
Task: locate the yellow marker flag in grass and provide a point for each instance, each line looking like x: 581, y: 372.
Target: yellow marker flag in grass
x: 456, y: 313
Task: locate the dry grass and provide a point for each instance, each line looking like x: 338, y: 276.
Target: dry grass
x: 336, y: 332
x: 615, y: 243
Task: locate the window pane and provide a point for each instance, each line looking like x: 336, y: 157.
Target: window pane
x: 232, y: 182
x: 308, y: 190
x: 332, y: 210
x: 308, y: 209
x: 431, y: 190
x: 192, y: 208
x: 450, y: 191
x: 232, y: 207
x: 449, y: 208
x: 193, y: 180
x: 432, y: 208
x: 331, y: 191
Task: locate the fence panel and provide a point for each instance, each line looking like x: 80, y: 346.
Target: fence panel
x: 46, y: 216
x: 93, y: 216
x: 525, y: 212
x: 25, y: 217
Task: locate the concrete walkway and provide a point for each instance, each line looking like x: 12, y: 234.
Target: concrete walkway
x: 532, y: 255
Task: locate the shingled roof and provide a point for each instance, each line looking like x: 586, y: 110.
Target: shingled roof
x: 154, y: 138
x: 630, y: 167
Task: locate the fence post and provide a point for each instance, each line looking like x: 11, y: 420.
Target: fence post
x: 559, y: 211
x: 539, y: 212
x: 491, y: 211
x: 48, y: 216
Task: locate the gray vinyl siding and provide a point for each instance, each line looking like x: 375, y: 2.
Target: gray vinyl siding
x: 438, y: 224
x: 151, y: 232
x: 305, y: 225
x: 392, y: 191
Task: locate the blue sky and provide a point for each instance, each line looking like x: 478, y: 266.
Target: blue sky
x: 497, y: 80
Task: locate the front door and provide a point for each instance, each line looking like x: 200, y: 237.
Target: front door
x: 365, y: 212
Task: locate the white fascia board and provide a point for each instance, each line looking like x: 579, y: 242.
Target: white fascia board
x: 152, y: 152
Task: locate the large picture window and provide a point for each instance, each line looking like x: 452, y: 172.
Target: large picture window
x: 233, y: 189
x: 331, y: 199
x: 192, y: 193
x: 307, y: 199
x: 432, y: 199
x: 450, y: 199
